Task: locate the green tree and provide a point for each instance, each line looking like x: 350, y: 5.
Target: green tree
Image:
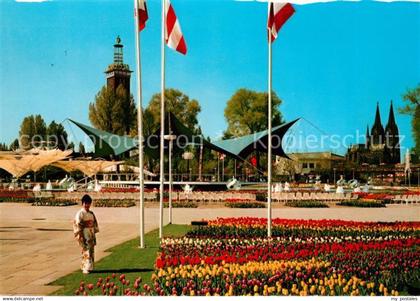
x: 82, y: 150
x: 4, y: 147
x: 32, y: 132
x: 184, y: 108
x: 246, y: 112
x: 57, y: 135
x: 14, y: 145
x: 113, y: 112
x: 412, y: 108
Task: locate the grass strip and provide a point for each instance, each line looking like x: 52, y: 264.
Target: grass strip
x: 126, y: 258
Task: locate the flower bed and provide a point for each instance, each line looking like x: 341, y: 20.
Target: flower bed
x: 306, y: 204
x: 233, y: 256
x: 305, y: 257
x: 365, y: 203
x: 114, y: 285
x: 114, y: 203
x: 17, y: 200
x: 16, y: 196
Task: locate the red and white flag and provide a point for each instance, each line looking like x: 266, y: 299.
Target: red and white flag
x: 140, y: 12
x: 278, y: 14
x: 174, y: 37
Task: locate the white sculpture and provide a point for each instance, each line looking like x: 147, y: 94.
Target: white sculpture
x: 353, y: 183
x: 278, y: 187
x: 327, y: 187
x: 366, y: 188
x: 286, y: 186
x: 187, y: 189
x: 97, y: 186
x: 340, y: 189
x: 37, y: 188
x: 72, y: 187
x: 49, y: 186
x: 233, y: 184
x: 63, y: 181
x: 342, y: 181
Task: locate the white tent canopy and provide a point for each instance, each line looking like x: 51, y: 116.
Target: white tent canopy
x: 87, y: 167
x: 20, y: 163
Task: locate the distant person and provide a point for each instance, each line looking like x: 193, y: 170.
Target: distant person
x: 85, y: 227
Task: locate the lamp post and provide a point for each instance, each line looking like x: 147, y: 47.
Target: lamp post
x: 170, y: 138
x: 218, y: 167
x: 222, y: 157
x: 335, y: 169
x: 353, y: 172
x: 188, y: 156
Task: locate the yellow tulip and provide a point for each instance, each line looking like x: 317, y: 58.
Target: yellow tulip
x: 312, y: 290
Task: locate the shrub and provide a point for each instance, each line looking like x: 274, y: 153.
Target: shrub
x: 362, y: 203
x: 261, y: 196
x: 181, y: 204
x: 244, y: 205
x: 114, y: 203
x: 16, y: 200
x: 306, y: 204
x: 52, y: 202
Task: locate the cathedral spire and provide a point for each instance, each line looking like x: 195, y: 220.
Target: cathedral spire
x: 367, y: 136
x: 377, y: 116
x: 392, y: 138
x: 377, y: 133
x: 391, y: 118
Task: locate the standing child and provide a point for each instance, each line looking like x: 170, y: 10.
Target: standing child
x: 85, y: 227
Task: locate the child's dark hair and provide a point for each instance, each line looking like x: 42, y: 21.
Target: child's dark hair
x: 86, y: 199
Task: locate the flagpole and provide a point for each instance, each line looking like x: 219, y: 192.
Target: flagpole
x: 139, y: 124
x: 162, y: 122
x: 269, y: 135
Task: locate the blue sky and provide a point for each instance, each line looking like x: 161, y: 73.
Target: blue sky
x: 331, y: 62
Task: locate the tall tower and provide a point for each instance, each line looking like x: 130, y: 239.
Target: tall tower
x: 118, y: 73
x: 392, y: 139
x: 377, y: 133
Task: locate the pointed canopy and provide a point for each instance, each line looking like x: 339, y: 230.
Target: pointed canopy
x: 106, y: 143
x: 239, y: 148
x: 245, y: 145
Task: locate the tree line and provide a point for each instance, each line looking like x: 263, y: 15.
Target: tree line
x: 116, y: 112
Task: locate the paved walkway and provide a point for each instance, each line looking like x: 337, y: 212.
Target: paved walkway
x: 37, y: 245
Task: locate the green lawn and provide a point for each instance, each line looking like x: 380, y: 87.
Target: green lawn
x: 126, y: 258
